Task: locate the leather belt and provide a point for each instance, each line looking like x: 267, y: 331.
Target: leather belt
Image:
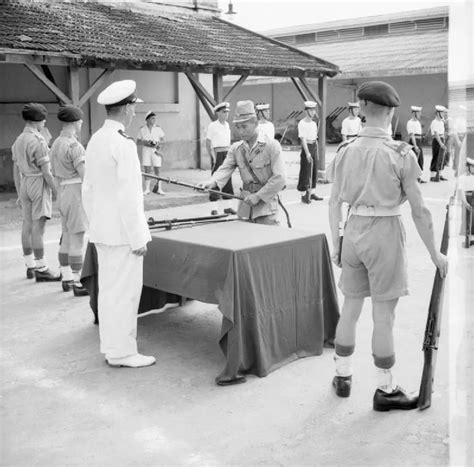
x: 33, y: 175
x: 221, y: 148
x: 311, y: 142
x: 252, y: 187
x: 70, y: 181
x: 375, y: 211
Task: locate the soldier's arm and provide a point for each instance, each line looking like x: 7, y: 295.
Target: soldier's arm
x: 423, y: 221
x: 16, y: 178
x: 335, y: 208
x: 277, y: 181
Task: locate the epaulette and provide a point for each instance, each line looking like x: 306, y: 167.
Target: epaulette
x: 399, y: 146
x: 345, y: 143
x: 125, y: 135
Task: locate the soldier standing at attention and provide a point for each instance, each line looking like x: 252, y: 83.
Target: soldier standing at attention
x: 260, y: 166
x: 414, y: 136
x: 438, y: 146
x: 67, y: 165
x: 308, y: 135
x: 352, y: 124
x: 265, y: 126
x: 150, y: 137
x: 35, y: 186
x: 113, y: 200
x: 217, y: 144
x: 375, y: 175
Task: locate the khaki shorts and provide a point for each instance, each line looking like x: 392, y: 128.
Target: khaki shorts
x: 374, y: 259
x: 73, y: 217
x: 36, y: 199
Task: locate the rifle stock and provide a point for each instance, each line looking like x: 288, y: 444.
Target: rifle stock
x: 433, y: 325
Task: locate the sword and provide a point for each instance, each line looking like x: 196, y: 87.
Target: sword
x: 189, y: 185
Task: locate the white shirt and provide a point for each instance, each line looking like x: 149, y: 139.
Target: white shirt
x: 308, y: 130
x: 219, y: 134
x: 112, y: 189
x: 413, y: 127
x: 266, y: 128
x: 153, y: 134
x: 437, y: 126
x: 351, y: 126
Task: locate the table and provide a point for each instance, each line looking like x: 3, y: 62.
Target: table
x: 274, y: 287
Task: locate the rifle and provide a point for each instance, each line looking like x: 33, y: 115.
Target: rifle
x: 181, y: 225
x: 189, y: 185
x: 433, y: 324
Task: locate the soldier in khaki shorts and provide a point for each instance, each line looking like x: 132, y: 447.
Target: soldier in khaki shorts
x: 67, y: 164
x: 34, y: 185
x: 375, y: 175
x: 260, y: 165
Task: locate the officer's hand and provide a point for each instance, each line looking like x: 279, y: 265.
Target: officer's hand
x: 141, y: 251
x: 18, y: 202
x: 417, y: 150
x: 443, y: 146
x: 209, y: 185
x: 441, y: 262
x: 335, y: 259
x: 309, y: 158
x: 252, y: 200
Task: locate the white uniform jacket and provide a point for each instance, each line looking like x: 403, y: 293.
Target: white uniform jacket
x: 112, y: 189
x: 267, y: 164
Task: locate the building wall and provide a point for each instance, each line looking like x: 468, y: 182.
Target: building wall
x: 168, y: 94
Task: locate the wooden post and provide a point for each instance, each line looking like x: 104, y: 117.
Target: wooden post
x: 217, y: 87
x: 300, y: 89
x: 234, y: 87
x: 323, y: 92
x: 204, y: 97
x: 74, y: 85
x: 38, y: 72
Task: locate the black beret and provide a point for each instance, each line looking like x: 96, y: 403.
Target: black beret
x: 34, y: 112
x: 379, y: 92
x: 70, y: 113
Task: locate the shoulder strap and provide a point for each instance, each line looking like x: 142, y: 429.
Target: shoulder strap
x: 345, y: 143
x: 252, y: 173
x: 400, y: 146
x: 121, y: 132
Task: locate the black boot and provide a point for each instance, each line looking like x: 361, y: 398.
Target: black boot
x: 306, y: 198
x: 342, y: 385
x: 47, y: 276
x: 398, y: 399
x: 30, y: 273
x: 79, y: 290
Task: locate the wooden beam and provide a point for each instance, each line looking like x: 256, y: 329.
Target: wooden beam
x: 195, y: 82
x: 323, y: 95
x: 202, y: 98
x: 313, y: 95
x: 74, y: 85
x: 95, y: 85
x: 217, y: 87
x: 235, y: 86
x: 300, y: 89
x: 36, y: 70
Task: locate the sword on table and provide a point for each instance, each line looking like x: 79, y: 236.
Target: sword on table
x: 189, y: 185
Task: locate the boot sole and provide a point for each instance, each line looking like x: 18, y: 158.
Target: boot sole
x: 391, y: 407
x: 48, y: 280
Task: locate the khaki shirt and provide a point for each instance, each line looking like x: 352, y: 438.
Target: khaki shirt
x: 372, y: 170
x: 267, y: 163
x: 67, y: 153
x: 30, y: 152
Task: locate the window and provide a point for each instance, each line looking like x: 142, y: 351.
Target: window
x: 377, y: 30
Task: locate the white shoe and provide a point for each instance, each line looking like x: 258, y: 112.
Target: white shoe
x: 132, y: 361
x: 146, y: 192
x: 161, y: 192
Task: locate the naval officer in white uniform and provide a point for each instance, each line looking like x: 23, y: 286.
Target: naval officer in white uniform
x: 113, y: 201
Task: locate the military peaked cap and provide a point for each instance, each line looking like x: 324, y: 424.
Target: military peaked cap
x: 119, y: 93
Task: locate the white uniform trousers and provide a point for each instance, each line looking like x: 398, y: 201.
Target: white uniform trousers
x: 120, y: 288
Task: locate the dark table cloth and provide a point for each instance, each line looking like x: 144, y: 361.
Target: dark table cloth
x: 274, y: 287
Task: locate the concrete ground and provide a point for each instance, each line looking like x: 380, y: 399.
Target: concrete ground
x: 62, y: 405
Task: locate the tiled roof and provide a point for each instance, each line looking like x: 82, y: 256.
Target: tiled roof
x: 406, y: 54
x: 410, y: 15
x: 106, y: 36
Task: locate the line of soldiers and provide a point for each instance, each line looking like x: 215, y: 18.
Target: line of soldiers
x: 40, y: 174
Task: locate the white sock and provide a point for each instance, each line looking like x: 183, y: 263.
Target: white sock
x: 343, y: 365
x: 147, y: 185
x: 29, y: 260
x: 76, y: 276
x: 41, y: 264
x: 385, y: 380
x: 66, y: 273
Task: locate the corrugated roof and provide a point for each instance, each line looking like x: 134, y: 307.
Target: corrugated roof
x: 417, y: 53
x: 411, y: 15
x: 106, y: 36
